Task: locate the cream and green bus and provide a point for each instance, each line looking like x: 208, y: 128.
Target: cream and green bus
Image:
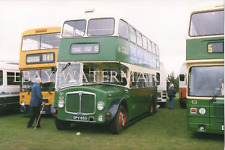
x: 106, y: 72
x: 205, y: 70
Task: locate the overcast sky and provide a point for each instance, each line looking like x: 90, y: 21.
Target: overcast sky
x: 163, y: 21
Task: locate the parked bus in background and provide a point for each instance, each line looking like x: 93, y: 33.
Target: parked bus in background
x: 205, y: 69
x: 9, y: 85
x: 161, y: 88
x: 183, y: 85
x: 106, y: 72
x: 38, y: 55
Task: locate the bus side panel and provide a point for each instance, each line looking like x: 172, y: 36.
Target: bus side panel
x: 7, y: 102
x: 139, y: 101
x: 123, y: 52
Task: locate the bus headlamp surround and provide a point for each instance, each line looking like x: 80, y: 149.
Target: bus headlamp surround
x: 23, y: 103
x: 100, y: 106
x: 202, y: 111
x: 61, y: 103
x: 100, y: 118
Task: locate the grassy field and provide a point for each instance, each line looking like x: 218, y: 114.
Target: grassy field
x: 165, y: 130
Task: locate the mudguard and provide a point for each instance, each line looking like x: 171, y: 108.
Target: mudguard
x: 113, y: 108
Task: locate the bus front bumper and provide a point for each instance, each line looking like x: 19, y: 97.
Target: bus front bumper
x: 26, y: 109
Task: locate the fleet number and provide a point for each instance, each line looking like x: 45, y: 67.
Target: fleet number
x: 194, y: 102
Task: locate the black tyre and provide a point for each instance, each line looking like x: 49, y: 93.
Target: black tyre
x: 62, y: 125
x: 120, y: 121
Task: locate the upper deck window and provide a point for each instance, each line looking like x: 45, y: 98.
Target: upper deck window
x: 123, y: 29
x: 101, y: 26
x: 157, y: 50
x: 145, y: 44
x: 149, y: 46
x: 139, y: 38
x: 153, y: 48
x: 207, y: 23
x: 75, y: 28
x: 132, y: 34
x: 40, y: 42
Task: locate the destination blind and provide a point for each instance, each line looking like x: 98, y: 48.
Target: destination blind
x: 40, y: 58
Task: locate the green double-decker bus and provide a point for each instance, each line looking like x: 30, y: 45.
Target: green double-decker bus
x: 106, y: 73
x: 205, y: 70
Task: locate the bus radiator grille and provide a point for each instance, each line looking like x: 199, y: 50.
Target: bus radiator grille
x: 81, y: 103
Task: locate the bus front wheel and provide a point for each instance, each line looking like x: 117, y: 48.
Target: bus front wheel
x: 62, y: 125
x: 120, y: 121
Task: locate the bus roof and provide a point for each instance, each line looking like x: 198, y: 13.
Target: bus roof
x: 42, y: 30
x: 93, y: 13
x: 9, y: 66
x: 208, y: 7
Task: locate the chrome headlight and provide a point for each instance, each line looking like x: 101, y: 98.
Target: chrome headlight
x: 100, y: 118
x: 100, y: 106
x: 23, y: 103
x: 61, y: 103
x: 202, y: 111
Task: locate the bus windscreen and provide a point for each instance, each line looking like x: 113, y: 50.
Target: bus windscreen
x: 206, y: 81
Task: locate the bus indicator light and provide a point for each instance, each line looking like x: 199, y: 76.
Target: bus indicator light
x: 193, y: 110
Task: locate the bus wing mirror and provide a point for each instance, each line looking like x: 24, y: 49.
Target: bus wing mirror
x: 53, y: 69
x: 181, y: 77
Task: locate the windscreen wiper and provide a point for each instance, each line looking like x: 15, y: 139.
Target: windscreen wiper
x: 67, y: 65
x: 218, y: 93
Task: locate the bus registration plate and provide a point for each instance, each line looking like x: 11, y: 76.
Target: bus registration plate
x: 84, y: 118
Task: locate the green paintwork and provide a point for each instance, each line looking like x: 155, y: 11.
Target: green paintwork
x: 108, y: 49
x: 198, y: 49
x: 137, y: 100
x: 111, y: 49
x: 212, y: 120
